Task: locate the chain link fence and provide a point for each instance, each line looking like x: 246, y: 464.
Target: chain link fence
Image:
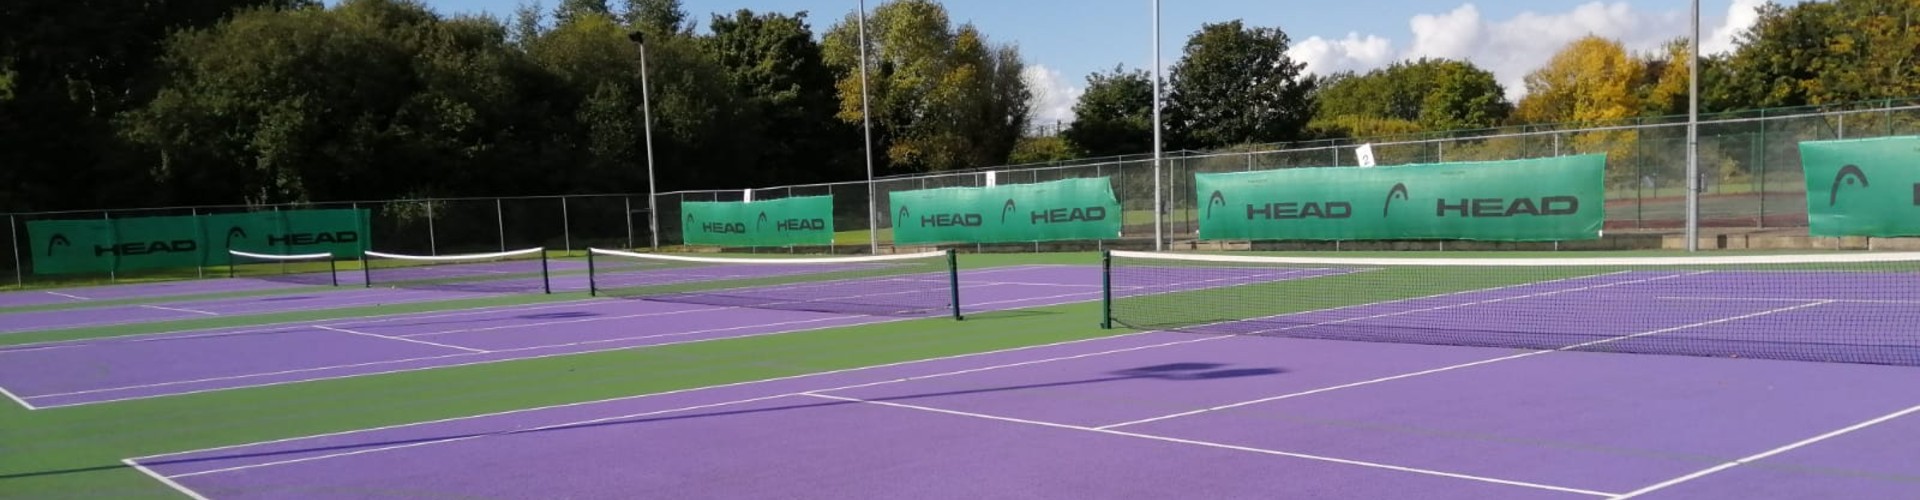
x: 1749, y: 164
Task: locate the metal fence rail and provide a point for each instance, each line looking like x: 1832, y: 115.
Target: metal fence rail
x: 1750, y: 163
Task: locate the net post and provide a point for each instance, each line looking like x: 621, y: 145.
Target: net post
x: 333, y: 269
x: 593, y: 284
x: 230, y: 264
x: 953, y: 282
x: 1106, y: 289
x: 366, y: 270
x: 546, y: 281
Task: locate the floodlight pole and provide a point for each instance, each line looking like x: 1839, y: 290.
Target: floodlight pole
x: 866, y: 124
x: 1693, y: 135
x: 646, y: 124
x: 1158, y: 241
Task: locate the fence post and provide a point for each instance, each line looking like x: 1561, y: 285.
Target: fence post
x: 627, y: 201
x: 19, y: 268
x: 200, y: 268
x: 433, y: 244
x: 500, y: 224
x: 566, y: 226
x: 1759, y: 148
x: 113, y: 233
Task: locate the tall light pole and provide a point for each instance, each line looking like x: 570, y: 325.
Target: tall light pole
x: 1158, y: 241
x: 1693, y: 135
x: 866, y: 124
x: 646, y: 124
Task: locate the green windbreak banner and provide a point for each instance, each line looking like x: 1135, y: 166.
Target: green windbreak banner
x: 1070, y: 209
x: 1865, y: 187
x: 184, y: 241
x: 1548, y: 199
x: 806, y: 220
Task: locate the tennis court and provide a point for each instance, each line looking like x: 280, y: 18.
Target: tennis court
x: 56, y: 374
x: 1513, y: 390
x: 1248, y: 377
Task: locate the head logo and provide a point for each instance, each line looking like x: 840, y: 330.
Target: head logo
x: 58, y: 240
x: 1846, y: 177
x: 1005, y: 209
x: 1399, y: 191
x: 903, y: 214
x: 761, y: 225
x: 235, y: 232
x: 1217, y: 200
x: 690, y: 220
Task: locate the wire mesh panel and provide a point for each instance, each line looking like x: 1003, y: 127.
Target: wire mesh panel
x: 1852, y: 308
x: 920, y: 284
x: 519, y: 271
x: 319, y: 269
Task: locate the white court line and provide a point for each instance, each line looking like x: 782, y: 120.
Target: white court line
x: 285, y: 325
x: 67, y: 295
x: 1391, y: 378
x: 518, y: 349
x: 177, y: 309
x: 1776, y: 451
x: 1209, y: 444
x: 1771, y: 299
x: 1494, y: 300
x: 427, y: 358
x: 651, y: 395
x: 564, y: 322
x: 16, y: 399
x: 670, y: 410
x: 164, y: 480
x: 402, y: 339
x: 840, y: 371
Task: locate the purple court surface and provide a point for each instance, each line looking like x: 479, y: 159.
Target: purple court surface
x: 571, y: 278
x: 301, y: 299
x: 132, y: 367
x: 1182, y: 415
x: 135, y: 291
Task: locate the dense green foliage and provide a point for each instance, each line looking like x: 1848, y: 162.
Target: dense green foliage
x: 105, y: 105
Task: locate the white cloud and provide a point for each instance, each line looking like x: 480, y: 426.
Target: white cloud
x: 1353, y: 53
x: 1053, y: 96
x: 1513, y: 47
x: 1740, y: 16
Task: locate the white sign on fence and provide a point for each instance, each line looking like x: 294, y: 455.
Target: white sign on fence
x: 1364, y: 154
x: 992, y: 180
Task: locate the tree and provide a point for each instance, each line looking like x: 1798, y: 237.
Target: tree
x: 1115, y: 114
x: 569, y: 11
x: 942, y: 98
x: 69, y: 67
x: 1591, y: 81
x: 371, y: 99
x: 1828, y: 53
x: 1236, y: 85
x: 1411, y: 96
x: 1668, y: 78
x: 663, y: 16
x: 776, y: 70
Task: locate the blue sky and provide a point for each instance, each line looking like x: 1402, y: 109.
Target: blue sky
x: 1065, y: 40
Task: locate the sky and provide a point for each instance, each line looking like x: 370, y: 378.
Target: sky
x: 1063, y: 41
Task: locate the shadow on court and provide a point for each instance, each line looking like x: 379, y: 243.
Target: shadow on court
x: 1192, y: 371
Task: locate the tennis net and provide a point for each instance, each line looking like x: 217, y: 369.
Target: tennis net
x: 1842, y: 307
x: 920, y: 284
x: 304, y: 269
x: 520, y: 271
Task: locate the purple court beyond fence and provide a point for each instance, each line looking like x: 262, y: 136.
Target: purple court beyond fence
x: 136, y: 291
x: 1176, y: 415
x: 113, y: 369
